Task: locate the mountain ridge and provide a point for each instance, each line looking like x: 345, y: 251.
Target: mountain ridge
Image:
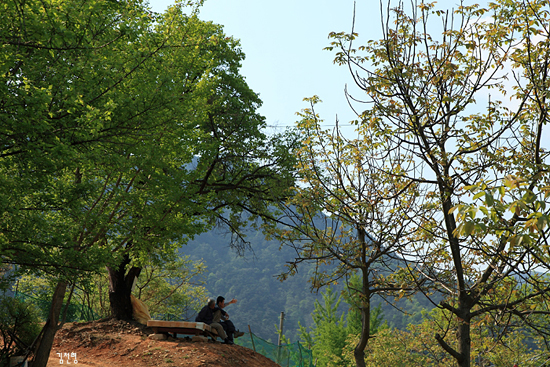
x: 251, y: 279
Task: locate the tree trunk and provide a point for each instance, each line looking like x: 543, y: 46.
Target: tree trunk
x: 120, y: 289
x: 359, y: 351
x: 463, y: 352
x: 50, y: 328
x: 465, y: 303
x: 464, y: 341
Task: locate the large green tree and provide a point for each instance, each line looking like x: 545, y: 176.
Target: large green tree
x: 123, y: 134
x: 470, y: 106
x: 212, y: 165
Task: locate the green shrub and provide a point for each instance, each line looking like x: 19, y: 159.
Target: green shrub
x: 19, y: 326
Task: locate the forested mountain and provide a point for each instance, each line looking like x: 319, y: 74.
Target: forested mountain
x: 251, y: 279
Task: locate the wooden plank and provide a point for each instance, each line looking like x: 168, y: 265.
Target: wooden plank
x: 182, y: 327
x: 179, y: 324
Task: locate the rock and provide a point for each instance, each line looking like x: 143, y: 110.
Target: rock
x: 158, y: 336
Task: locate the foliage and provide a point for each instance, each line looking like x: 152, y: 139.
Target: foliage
x: 19, y: 326
x: 56, y: 105
x: 37, y: 290
x: 173, y: 290
x: 86, y: 300
x: 124, y: 133
x: 329, y: 331
x: 91, y: 293
x: 348, y: 215
x: 6, y: 277
x: 140, y: 135
x: 479, y: 165
x: 416, y: 346
x: 331, y: 334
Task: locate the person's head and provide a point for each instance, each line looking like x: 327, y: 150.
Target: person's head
x: 220, y: 302
x: 211, y: 303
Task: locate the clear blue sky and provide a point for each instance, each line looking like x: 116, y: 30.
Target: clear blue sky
x: 283, y: 41
x: 285, y: 62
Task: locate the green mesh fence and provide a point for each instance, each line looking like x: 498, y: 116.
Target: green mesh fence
x: 286, y: 355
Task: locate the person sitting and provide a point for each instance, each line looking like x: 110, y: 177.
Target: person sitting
x: 206, y: 315
x: 222, y: 317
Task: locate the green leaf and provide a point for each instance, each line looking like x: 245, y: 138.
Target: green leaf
x: 542, y: 222
x: 489, y: 199
x: 529, y: 197
x: 469, y: 228
x: 479, y: 194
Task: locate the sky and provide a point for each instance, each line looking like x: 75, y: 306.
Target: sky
x: 285, y: 62
x: 283, y: 42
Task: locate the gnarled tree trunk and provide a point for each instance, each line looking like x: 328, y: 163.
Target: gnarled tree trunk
x: 120, y: 289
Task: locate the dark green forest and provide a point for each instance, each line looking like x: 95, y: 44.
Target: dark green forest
x: 251, y: 278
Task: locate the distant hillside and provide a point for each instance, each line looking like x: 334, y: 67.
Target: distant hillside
x: 252, y: 281
x: 261, y: 297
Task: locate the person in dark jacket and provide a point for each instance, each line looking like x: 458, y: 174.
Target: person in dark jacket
x: 206, y: 315
x: 222, y: 317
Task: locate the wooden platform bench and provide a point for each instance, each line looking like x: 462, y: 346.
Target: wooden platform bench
x: 182, y: 327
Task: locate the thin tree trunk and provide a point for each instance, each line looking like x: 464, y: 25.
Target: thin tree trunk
x: 50, y: 328
x: 461, y: 354
x: 465, y: 303
x: 464, y: 344
x: 463, y: 336
x: 359, y: 351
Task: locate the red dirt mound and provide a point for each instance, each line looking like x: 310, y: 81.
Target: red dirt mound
x: 117, y: 343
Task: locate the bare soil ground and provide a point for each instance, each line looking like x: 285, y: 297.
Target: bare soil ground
x: 117, y: 343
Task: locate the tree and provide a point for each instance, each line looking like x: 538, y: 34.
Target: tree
x: 330, y: 334
x: 172, y: 291
x: 416, y: 345
x: 124, y: 134
x: 350, y: 216
x: 222, y: 169
x: 434, y: 99
x: 60, y: 70
x: 19, y: 326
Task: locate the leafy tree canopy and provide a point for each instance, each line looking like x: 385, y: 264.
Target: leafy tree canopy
x: 123, y: 130
x: 461, y: 94
x: 124, y: 133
